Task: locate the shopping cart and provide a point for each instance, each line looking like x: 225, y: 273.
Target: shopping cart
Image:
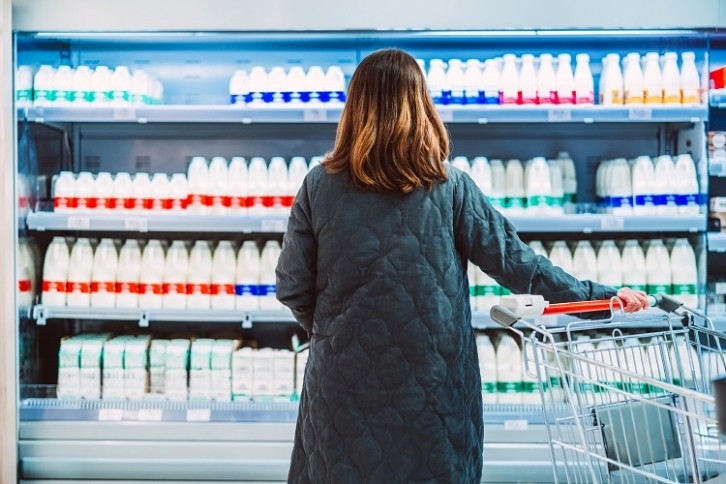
x: 627, y: 404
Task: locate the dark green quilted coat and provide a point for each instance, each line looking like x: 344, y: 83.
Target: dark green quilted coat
x: 379, y: 281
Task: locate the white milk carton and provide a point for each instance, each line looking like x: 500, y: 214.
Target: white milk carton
x: 69, y: 368
x: 264, y: 374
x: 175, y: 377
x: 113, y: 368
x: 200, y: 370
x: 157, y: 367
x: 136, y: 375
x: 222, y: 352
x: 243, y: 362
x: 284, y: 374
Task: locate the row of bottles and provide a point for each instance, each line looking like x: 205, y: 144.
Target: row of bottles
x: 217, y: 187
x: 644, y: 186
x: 66, y: 86
x: 538, y: 187
x: 293, y: 86
x: 155, y: 276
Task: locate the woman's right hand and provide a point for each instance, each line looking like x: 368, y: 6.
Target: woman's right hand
x: 632, y: 300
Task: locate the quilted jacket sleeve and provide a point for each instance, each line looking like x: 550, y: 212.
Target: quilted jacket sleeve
x: 296, y: 268
x: 490, y: 241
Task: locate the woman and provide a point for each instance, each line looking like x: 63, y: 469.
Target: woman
x: 374, y: 267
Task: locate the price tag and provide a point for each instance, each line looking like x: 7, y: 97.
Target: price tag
x: 640, y: 114
x: 612, y: 224
x: 273, y: 226
x: 199, y: 415
x: 446, y: 115
x: 313, y: 115
x: 110, y: 415
x: 124, y: 114
x: 137, y: 224
x: 559, y: 115
x: 516, y: 425
x: 78, y: 223
x: 150, y: 415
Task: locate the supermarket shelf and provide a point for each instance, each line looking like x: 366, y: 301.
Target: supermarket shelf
x: 717, y: 167
x: 717, y: 98
x: 331, y: 114
x: 717, y: 242
x: 142, y: 223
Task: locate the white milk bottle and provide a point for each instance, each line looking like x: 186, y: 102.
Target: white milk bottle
x: 219, y: 190
x: 690, y: 82
x: 510, y: 80
x: 80, y: 270
x: 178, y: 194
x: 609, y: 266
x: 462, y: 163
x: 86, y: 192
x: 176, y: 271
x: 121, y: 86
x: 487, y: 368
x: 601, y: 182
x: 481, y: 173
x: 198, y: 179
x: 297, y: 173
x: 104, y: 188
x: 55, y: 272
x: 151, y: 278
x: 557, y: 194
x: 509, y: 370
x: 472, y: 82
x: 268, y: 280
x: 584, y: 262
x: 161, y: 200
x: 24, y: 87
x: 142, y: 192
x: 314, y: 161
x: 43, y: 87
x: 684, y: 275
x: 315, y: 81
x: 515, y: 188
x: 258, y: 187
x: 658, y: 267
x: 101, y: 85
x: 436, y: 79
x: 296, y: 83
x: 584, y: 83
x: 103, y: 280
x: 619, y: 188
x: 663, y: 189
x: 278, y: 182
x: 64, y: 193
x: 498, y: 194
x: 63, y: 85
x: 538, y: 248
x: 335, y: 84
x: 643, y: 175
x: 565, y: 80
x: 546, y: 86
x: 199, y: 278
x: 82, y: 85
x: 248, y: 277
x: 671, y: 79
x: 652, y: 79
x: 569, y: 179
x: 123, y: 192
x: 239, y: 87
x: 491, y: 83
x: 276, y: 83
x: 633, y: 80
x: 528, y: 80
x: 561, y: 256
x: 635, y: 275
x: 26, y: 273
x: 612, y: 93
x: 238, y: 185
x: 538, y: 187
x: 140, y: 88
x: 487, y: 291
x: 586, y: 388
x: 224, y: 267
x: 454, y: 87
x: 258, y: 85
x: 127, y: 278
x: 685, y: 183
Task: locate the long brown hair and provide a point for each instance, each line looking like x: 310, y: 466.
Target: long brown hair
x: 390, y: 136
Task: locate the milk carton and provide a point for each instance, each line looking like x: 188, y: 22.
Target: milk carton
x: 284, y: 374
x: 243, y: 371
x: 113, y: 369
x: 200, y: 370
x: 91, y: 353
x: 175, y: 376
x: 264, y: 374
x: 69, y: 368
x: 157, y: 367
x: 222, y: 352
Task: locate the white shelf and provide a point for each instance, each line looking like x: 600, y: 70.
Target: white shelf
x: 141, y: 223
x: 716, y: 242
x: 322, y: 113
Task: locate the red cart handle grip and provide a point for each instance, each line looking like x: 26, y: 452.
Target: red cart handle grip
x: 582, y: 307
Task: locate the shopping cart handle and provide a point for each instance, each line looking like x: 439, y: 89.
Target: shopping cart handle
x: 661, y: 301
x: 503, y: 316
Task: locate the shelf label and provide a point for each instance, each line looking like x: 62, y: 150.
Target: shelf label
x: 76, y: 222
x: 150, y: 415
x: 110, y: 415
x: 559, y: 115
x: 312, y: 115
x: 124, y: 114
x: 273, y: 226
x: 612, y: 224
x: 640, y: 114
x: 137, y: 224
x: 516, y: 425
x: 199, y: 415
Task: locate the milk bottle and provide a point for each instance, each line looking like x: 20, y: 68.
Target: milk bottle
x: 296, y: 83
x: 199, y: 276
x: 557, y: 197
x: 487, y: 291
x: 176, y: 270
x: 633, y: 266
x: 612, y: 88
x: 619, y: 188
x: 671, y: 79
x: 268, y: 280
x: 565, y: 80
x: 652, y: 79
x: 103, y: 280
x: 124, y: 200
x: 684, y: 275
x: 82, y: 86
x: 224, y: 264
x: 569, y: 177
x: 515, y: 188
x: 436, y: 79
x: 601, y: 188
x: 539, y: 188
x: 633, y: 80
x: 685, y: 183
x: 643, y: 175
x: 120, y: 86
x: 609, y: 267
x: 105, y: 199
x: 690, y: 82
x: 219, y: 191
x: 141, y: 188
x: 487, y: 368
x: 472, y: 82
x: 462, y: 163
x: 491, y: 83
x: 43, y: 86
x: 584, y: 262
x: 276, y: 83
x: 538, y: 248
x: 278, y: 182
x: 335, y: 84
x: 498, y: 194
x: 178, y: 194
x: 584, y: 84
x: 663, y: 189
x: 63, y: 85
x: 238, y: 185
x: 481, y: 173
x: 160, y: 193
x: 129, y: 271
x: 454, y: 87
x: 24, y: 87
x: 258, y: 86
x: 55, y: 273
x: 101, y: 85
x: 509, y: 370
x: 561, y: 256
x: 258, y: 187
x: 296, y: 176
x: 80, y: 269
x: 528, y: 80
x: 26, y: 273
x: 238, y: 87
x: 198, y: 179
x: 658, y: 268
x: 314, y: 161
x: 86, y: 192
x: 248, y: 277
x: 140, y: 88
x: 315, y: 81
x: 546, y: 89
x: 64, y: 193
x: 510, y: 81
x: 151, y: 277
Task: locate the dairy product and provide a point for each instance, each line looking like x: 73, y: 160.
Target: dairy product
x: 79, y: 274
x: 472, y: 82
x: 43, y: 86
x: 91, y: 353
x: 296, y: 175
x: 510, y: 89
x: 160, y: 193
x: 462, y: 163
x: 268, y: 263
x: 509, y: 370
x: 129, y: 271
x: 175, y: 374
x: 671, y: 79
x: 528, y: 81
x: 690, y: 81
x: 546, y: 89
x: 491, y: 80
x: 63, y: 86
x: 104, y: 190
x: 454, y: 87
x: 140, y: 88
x: 609, y: 267
x: 238, y: 185
x: 481, y: 173
x: 264, y: 373
x: 498, y: 194
x: 258, y: 187
x: 296, y: 84
x: 157, y: 367
x: 257, y: 86
x: 612, y: 82
x: 81, y: 84
x: 86, y: 192
x: 141, y: 192
x: 238, y: 87
x: 487, y: 368
x: 69, y: 368
x: 658, y: 268
x: 55, y: 272
x: 151, y: 277
x: 224, y: 263
x: 684, y: 273
x: 487, y: 291
x: 222, y: 351
x: 284, y: 369
x: 515, y: 188
x: 561, y: 256
x: 436, y: 79
x: 200, y: 369
x: 113, y: 368
x: 584, y: 83
x: 584, y: 262
x: 120, y: 92
x: 176, y: 271
x: 278, y: 183
x: 538, y: 248
x: 103, y: 280
x: 619, y: 189
x: 633, y: 266
x: 565, y: 80
x: 652, y: 79
x: 557, y: 193
x: 178, y: 194
x: 538, y: 187
x: 64, y: 193
x: 248, y: 277
x: 123, y: 193
x: 315, y: 82
x: 220, y: 200
x: 633, y: 80
x: 199, y: 277
x: 685, y: 185
x: 136, y: 357
x: 24, y: 87
x: 643, y: 176
x: 101, y: 85
x: 198, y: 180
x: 243, y: 371
x: 663, y: 189
x: 26, y: 273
